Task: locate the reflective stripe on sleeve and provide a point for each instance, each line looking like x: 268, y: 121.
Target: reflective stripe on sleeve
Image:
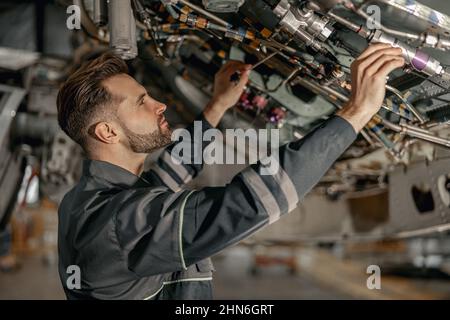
x: 263, y: 193
x: 179, y: 169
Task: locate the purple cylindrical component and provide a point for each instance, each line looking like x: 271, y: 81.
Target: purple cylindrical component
x: 420, y: 60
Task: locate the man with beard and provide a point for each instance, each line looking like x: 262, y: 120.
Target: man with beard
x: 129, y: 233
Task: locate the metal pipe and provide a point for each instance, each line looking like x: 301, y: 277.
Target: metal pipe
x: 366, y: 136
x: 418, y: 59
x: 139, y: 9
x: 100, y: 13
x: 87, y: 23
x: 409, y: 36
x: 410, y: 107
x: 444, y: 43
x: 335, y: 95
x: 401, y: 128
x: 277, y: 45
x: 414, y: 132
x: 172, y: 11
x: 343, y: 98
x: 205, y: 13
x: 381, y: 137
x: 360, y: 29
x: 122, y: 29
x: 308, y: 39
x: 426, y: 39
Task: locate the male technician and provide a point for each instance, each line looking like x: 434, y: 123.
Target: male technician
x: 138, y: 234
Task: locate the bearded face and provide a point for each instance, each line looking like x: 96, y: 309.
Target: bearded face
x: 139, y: 115
x: 149, y: 142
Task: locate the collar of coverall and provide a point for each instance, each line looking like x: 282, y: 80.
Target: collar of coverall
x: 111, y: 173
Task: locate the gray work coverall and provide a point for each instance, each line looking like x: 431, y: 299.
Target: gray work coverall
x: 147, y: 238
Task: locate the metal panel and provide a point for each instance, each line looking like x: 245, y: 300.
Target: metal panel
x: 407, y: 219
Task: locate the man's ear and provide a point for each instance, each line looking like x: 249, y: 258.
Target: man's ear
x: 106, y: 132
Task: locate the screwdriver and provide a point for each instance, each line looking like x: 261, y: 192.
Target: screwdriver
x: 236, y: 77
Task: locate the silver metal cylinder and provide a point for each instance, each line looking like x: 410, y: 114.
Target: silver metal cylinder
x: 417, y: 133
x: 100, y: 13
x: 222, y: 6
x: 122, y: 29
x: 443, y: 44
x: 301, y: 23
x: 360, y: 29
x: 319, y: 27
x: 418, y: 59
x: 325, y: 5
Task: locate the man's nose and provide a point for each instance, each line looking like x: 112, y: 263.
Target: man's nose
x: 161, y: 108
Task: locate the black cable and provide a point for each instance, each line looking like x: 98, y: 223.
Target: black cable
x: 440, y: 99
x: 428, y: 79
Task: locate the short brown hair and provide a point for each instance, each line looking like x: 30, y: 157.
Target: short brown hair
x: 82, y: 97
